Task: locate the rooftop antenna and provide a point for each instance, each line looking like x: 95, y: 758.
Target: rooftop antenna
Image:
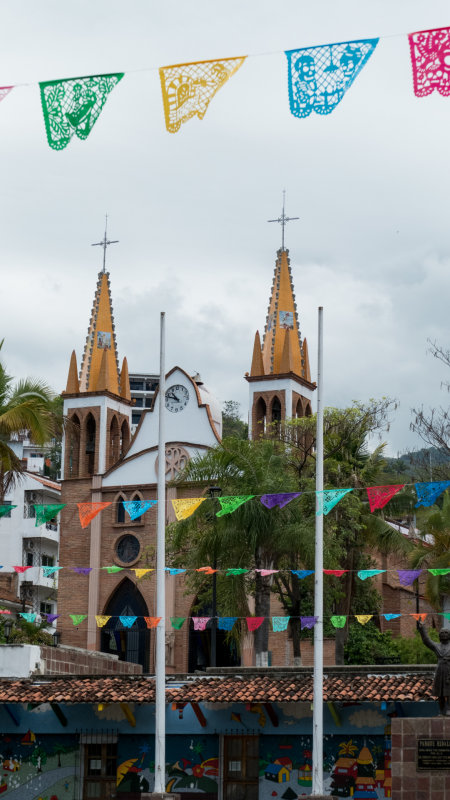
x: 283, y: 220
x: 104, y: 243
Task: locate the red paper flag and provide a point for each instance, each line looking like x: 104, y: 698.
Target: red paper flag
x: 152, y: 622
x: 87, y: 511
x: 338, y: 572
x: 21, y: 569
x: 254, y: 622
x: 380, y: 495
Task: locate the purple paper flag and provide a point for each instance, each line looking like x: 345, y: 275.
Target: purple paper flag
x: 280, y: 500
x: 51, y: 617
x: 408, y: 576
x: 81, y: 570
x: 308, y: 622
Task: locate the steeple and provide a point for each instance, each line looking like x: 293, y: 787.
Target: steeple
x: 125, y: 380
x: 281, y: 318
x: 100, y: 364
x: 73, y: 385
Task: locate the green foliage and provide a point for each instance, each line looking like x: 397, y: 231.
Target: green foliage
x: 24, y: 632
x: 432, y: 550
x: 232, y: 424
x: 414, y: 651
x: 367, y: 645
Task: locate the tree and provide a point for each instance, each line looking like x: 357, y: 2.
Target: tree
x: 25, y: 406
x: 232, y: 424
x: 432, y: 551
x: 433, y: 426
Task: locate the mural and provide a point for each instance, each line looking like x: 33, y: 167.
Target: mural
x: 357, y: 767
x: 192, y: 764
x: 37, y: 767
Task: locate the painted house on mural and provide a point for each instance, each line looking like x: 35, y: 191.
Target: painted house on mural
x: 228, y: 735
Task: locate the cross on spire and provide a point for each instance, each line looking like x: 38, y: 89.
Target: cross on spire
x: 104, y: 243
x: 283, y: 220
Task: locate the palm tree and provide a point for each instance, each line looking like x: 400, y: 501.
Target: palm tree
x: 432, y: 551
x: 25, y: 406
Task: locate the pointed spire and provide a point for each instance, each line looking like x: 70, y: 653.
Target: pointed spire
x: 257, y: 367
x: 286, y: 362
x: 102, y: 383
x: 73, y: 384
x: 125, y: 381
x: 282, y: 316
x: 306, y: 368
x: 100, y: 343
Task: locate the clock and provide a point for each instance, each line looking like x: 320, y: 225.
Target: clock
x: 177, y: 398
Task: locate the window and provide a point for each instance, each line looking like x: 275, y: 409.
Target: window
x: 128, y: 548
x: 135, y: 417
x: 46, y: 608
x: 138, y: 402
x: 137, y: 386
x: 100, y: 765
x: 148, y: 402
x: 47, y: 561
x: 29, y: 558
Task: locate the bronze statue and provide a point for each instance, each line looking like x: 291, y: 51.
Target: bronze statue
x: 441, y: 684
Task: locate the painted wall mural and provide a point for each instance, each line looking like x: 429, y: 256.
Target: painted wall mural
x: 37, y: 767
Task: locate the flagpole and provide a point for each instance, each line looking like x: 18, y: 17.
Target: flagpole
x: 160, y: 665
x: 317, y: 782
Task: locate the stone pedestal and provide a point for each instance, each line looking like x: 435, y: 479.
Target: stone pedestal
x: 421, y: 758
x: 159, y: 796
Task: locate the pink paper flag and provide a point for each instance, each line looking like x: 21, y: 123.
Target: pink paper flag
x: 265, y: 572
x: 429, y: 59
x: 380, y: 495
x: 254, y: 622
x: 4, y: 90
x: 200, y: 623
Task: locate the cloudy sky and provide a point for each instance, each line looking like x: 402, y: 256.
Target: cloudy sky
x: 369, y: 183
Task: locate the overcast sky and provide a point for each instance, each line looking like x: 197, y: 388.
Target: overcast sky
x: 369, y: 183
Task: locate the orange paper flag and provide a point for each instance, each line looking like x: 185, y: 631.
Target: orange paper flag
x: 152, y: 622
x: 419, y: 617
x: 87, y: 511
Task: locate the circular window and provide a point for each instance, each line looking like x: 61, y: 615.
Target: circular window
x: 128, y: 548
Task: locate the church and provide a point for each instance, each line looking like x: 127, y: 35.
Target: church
x: 102, y: 463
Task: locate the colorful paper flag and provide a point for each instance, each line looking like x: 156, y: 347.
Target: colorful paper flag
x: 51, y: 617
x: 442, y: 571
x: 177, y: 622
x: 419, y: 617
x: 77, y: 618
x: 152, y: 622
x: 226, y: 623
x: 253, y: 623
x: 135, y: 508
x: 141, y: 572
x: 87, y: 512
x: 200, y: 623
x: 280, y: 500
x: 338, y: 573
x: 188, y: 89
x: 206, y: 570
x: 318, y: 77
x: 4, y: 510
x: 380, y: 495
x: 230, y: 504
x: 430, y: 61
x: 27, y: 616
x: 101, y: 620
x: 388, y: 617
x: 237, y: 571
x: 81, y: 570
x: 21, y: 570
x: 174, y: 571
x: 265, y: 572
x: 280, y: 623
x: 44, y: 513
x: 338, y: 621
x: 73, y: 106
x: 127, y: 621
x: 308, y: 622
x: 363, y: 619
x: 363, y: 574
x: 184, y: 508
x: 408, y: 576
x: 49, y: 571
x: 427, y: 493
x: 302, y: 573
x: 4, y: 90
x: 327, y: 499
x: 111, y: 570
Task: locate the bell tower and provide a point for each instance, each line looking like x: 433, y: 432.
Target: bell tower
x: 280, y: 378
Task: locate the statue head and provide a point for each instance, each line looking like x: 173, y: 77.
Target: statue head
x: 444, y: 635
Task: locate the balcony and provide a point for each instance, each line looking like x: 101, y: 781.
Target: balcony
x: 48, y: 531
x: 35, y: 576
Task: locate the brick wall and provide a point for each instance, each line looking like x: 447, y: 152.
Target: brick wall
x: 409, y: 783
x: 71, y: 661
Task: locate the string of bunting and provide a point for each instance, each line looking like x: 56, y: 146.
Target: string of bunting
x: 227, y: 623
x: 318, y: 79
x: 378, y: 496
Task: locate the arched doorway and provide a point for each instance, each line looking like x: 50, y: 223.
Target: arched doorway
x: 199, y: 656
x: 276, y: 410
x: 260, y: 414
x: 90, y: 444
x: 73, y: 465
x: 130, y: 644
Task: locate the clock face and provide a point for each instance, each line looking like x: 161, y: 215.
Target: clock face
x: 177, y: 398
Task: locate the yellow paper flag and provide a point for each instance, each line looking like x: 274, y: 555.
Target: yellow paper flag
x: 184, y: 508
x: 363, y: 618
x: 187, y: 89
x: 141, y: 572
x: 101, y: 621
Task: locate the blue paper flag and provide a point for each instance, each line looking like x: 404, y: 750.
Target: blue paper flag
x: 127, y: 622
x: 135, y: 508
x: 328, y: 499
x: 302, y: 573
x: 174, y: 571
x: 427, y: 493
x: 226, y: 623
x: 318, y: 77
x: 369, y: 573
x: 280, y: 623
x: 390, y: 616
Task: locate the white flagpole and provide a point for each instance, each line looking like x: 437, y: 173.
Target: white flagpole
x: 160, y: 666
x: 317, y: 782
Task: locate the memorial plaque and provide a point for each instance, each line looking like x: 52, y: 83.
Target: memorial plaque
x: 433, y: 754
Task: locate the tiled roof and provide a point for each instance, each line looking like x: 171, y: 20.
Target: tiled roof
x: 214, y: 689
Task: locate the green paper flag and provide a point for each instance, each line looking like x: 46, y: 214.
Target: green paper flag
x: 238, y: 571
x: 338, y: 622
x: 440, y: 571
x: 5, y: 509
x: 446, y: 615
x: 113, y: 569
x: 77, y: 618
x: 177, y: 622
x: 73, y: 106
x: 230, y: 504
x: 46, y: 513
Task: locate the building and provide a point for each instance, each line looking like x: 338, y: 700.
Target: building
x: 143, y: 386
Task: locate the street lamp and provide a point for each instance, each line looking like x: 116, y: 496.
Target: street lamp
x: 56, y: 635
x: 214, y: 492
x: 7, y: 628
